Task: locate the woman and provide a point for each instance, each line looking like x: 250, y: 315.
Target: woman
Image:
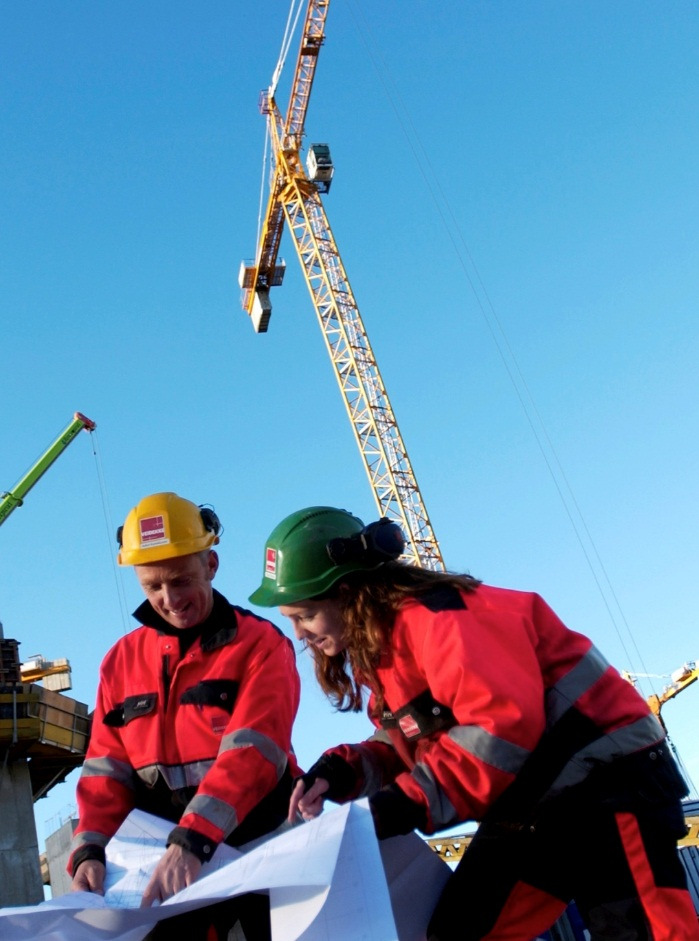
x: 487, y: 708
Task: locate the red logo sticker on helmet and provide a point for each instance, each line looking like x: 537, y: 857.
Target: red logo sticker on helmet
x: 270, y: 562
x: 152, y: 530
x: 409, y: 726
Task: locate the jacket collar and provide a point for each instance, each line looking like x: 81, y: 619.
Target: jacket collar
x: 218, y: 629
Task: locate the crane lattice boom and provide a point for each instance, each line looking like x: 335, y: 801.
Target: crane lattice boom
x: 295, y: 198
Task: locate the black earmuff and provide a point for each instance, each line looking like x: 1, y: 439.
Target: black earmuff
x: 120, y: 533
x: 378, y: 542
x: 211, y: 522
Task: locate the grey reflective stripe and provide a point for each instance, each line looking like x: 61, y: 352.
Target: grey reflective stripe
x: 216, y: 811
x: 442, y: 810
x: 574, y: 684
x: 617, y: 744
x: 244, y: 738
x: 108, y: 768
x: 506, y: 756
x: 176, y: 776
x: 90, y: 837
x: 381, y: 735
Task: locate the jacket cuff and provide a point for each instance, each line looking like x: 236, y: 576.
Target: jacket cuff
x: 395, y: 813
x: 89, y: 851
x: 337, y: 772
x: 202, y: 847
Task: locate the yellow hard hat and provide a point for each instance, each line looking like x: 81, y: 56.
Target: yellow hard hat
x: 164, y: 526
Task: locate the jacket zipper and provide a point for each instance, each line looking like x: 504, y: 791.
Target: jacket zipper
x: 166, y: 679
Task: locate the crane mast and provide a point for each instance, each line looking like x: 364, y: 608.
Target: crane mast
x: 295, y: 199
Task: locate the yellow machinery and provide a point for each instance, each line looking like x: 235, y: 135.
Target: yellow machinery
x: 679, y: 680
x: 294, y: 198
x: 40, y: 726
x: 54, y: 673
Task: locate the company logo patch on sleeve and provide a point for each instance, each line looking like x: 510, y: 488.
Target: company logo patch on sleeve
x: 152, y: 530
x: 409, y: 726
x: 270, y: 563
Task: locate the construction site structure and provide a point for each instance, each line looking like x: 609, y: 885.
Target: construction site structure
x: 43, y: 733
x: 452, y: 848
x: 43, y: 737
x: 294, y: 199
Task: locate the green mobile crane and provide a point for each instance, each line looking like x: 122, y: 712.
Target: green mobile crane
x: 11, y: 499
x: 43, y: 734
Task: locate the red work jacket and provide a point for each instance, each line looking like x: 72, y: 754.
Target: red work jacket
x: 203, y: 739
x: 479, y: 685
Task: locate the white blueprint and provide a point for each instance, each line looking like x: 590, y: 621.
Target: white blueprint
x: 327, y: 881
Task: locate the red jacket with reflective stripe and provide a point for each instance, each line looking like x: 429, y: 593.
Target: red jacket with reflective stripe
x: 213, y: 725
x: 478, y: 683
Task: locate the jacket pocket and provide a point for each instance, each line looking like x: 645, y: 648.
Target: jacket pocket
x: 133, y: 707
x: 221, y: 693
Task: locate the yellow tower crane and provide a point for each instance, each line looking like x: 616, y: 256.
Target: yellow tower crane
x: 680, y: 679
x: 294, y: 198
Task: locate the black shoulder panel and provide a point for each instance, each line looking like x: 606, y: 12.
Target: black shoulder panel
x: 257, y: 617
x: 442, y: 598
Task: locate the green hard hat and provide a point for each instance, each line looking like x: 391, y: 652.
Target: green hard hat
x: 299, y: 561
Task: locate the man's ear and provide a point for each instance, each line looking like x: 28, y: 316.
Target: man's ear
x: 212, y: 564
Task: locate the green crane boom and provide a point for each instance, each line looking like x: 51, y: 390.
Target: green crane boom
x: 11, y: 499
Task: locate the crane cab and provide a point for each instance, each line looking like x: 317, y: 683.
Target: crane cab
x: 319, y: 166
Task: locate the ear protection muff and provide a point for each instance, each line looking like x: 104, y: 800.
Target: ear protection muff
x: 378, y: 542
x: 211, y: 522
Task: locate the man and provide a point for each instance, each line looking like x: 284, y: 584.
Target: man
x: 193, y: 716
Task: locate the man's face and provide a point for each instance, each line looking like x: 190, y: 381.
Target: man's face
x: 180, y: 590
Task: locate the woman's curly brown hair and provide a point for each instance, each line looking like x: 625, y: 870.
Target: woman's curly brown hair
x: 368, y: 604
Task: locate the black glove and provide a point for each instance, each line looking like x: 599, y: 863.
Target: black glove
x: 336, y: 771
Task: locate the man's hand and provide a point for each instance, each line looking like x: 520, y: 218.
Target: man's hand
x: 176, y: 869
x: 308, y: 803
x: 89, y: 877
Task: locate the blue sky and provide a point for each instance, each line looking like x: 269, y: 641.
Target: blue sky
x: 515, y: 202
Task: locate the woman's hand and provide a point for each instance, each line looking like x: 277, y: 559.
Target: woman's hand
x: 308, y: 803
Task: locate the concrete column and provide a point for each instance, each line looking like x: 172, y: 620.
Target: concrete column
x: 57, y: 854
x: 20, y: 874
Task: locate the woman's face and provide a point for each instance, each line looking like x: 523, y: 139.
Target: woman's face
x: 318, y: 623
